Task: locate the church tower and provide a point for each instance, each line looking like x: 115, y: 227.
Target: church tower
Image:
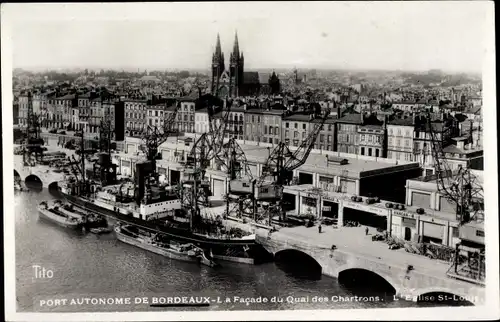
x: 217, y: 66
x: 236, y: 63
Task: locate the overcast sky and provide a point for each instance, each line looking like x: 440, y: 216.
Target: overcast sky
x: 399, y: 35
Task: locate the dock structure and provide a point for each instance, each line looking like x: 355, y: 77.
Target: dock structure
x: 342, y: 191
x: 338, y: 251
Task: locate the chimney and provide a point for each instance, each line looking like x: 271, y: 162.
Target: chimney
x: 460, y: 144
x: 413, y: 115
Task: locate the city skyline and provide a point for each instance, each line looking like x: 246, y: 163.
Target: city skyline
x: 415, y: 37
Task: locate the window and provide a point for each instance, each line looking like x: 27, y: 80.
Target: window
x: 399, y: 132
x: 407, y: 142
x: 276, y: 130
x: 480, y: 233
x: 271, y: 140
x: 362, y: 137
x: 362, y: 151
x: 370, y: 137
x: 265, y: 129
x: 295, y: 134
x: 390, y: 131
x: 377, y: 152
x: 253, y: 120
x: 304, y: 126
x: 185, y: 118
x: 270, y: 130
x: 287, y: 125
x: 287, y: 134
x: 321, y: 138
x: 303, y: 135
x: 398, y: 142
x: 192, y: 118
x: 296, y: 125
x: 329, y: 127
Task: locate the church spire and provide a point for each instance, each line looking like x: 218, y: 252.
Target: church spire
x: 236, y: 47
x: 218, y: 49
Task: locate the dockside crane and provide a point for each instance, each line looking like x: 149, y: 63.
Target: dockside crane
x: 152, y: 139
x: 267, y: 190
x: 33, y: 145
x: 194, y: 189
x: 463, y: 189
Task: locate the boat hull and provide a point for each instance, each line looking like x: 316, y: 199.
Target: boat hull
x: 177, y: 233
x: 46, y: 215
x: 155, y: 249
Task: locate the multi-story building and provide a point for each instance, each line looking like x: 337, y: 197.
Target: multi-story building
x: 272, y: 125
x: 64, y: 109
x: 235, y: 126
x: 23, y: 109
x: 371, y: 140
x: 156, y: 115
x: 96, y: 114
x: 326, y: 138
x: 201, y: 121
x: 400, y: 139
x: 185, y: 114
x: 84, y: 111
x: 296, y: 128
x: 347, y: 132
x: 135, y: 116
x: 253, y: 126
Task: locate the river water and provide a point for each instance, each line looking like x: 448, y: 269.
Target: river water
x: 86, y: 266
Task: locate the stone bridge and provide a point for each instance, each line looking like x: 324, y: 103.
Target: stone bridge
x: 411, y: 284
x: 39, y: 173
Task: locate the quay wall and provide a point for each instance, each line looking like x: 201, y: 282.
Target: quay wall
x: 408, y: 283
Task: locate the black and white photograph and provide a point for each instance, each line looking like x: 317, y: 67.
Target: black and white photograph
x: 249, y: 161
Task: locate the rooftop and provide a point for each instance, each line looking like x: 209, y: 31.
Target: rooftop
x: 351, y: 118
x: 403, y: 122
x: 455, y: 149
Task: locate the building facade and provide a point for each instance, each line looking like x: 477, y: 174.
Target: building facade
x: 135, y: 117
x: 185, y: 115
x: 400, y: 133
x: 371, y: 140
x: 347, y: 133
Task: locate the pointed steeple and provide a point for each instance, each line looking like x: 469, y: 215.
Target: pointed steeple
x: 218, y: 49
x: 236, y: 47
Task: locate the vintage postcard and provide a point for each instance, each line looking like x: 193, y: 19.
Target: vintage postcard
x: 250, y: 161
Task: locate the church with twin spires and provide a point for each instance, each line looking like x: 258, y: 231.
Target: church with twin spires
x: 234, y: 81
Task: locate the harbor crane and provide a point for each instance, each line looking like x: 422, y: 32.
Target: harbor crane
x: 194, y: 189
x: 462, y: 188
x: 152, y: 139
x: 33, y: 145
x: 267, y: 190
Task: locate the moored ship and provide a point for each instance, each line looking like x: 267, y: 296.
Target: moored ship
x: 161, y: 245
x: 53, y: 213
x: 229, y: 245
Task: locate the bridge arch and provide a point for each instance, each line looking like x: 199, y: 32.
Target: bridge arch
x: 445, y: 296
x: 359, y: 278
x: 298, y: 263
x: 33, y: 182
